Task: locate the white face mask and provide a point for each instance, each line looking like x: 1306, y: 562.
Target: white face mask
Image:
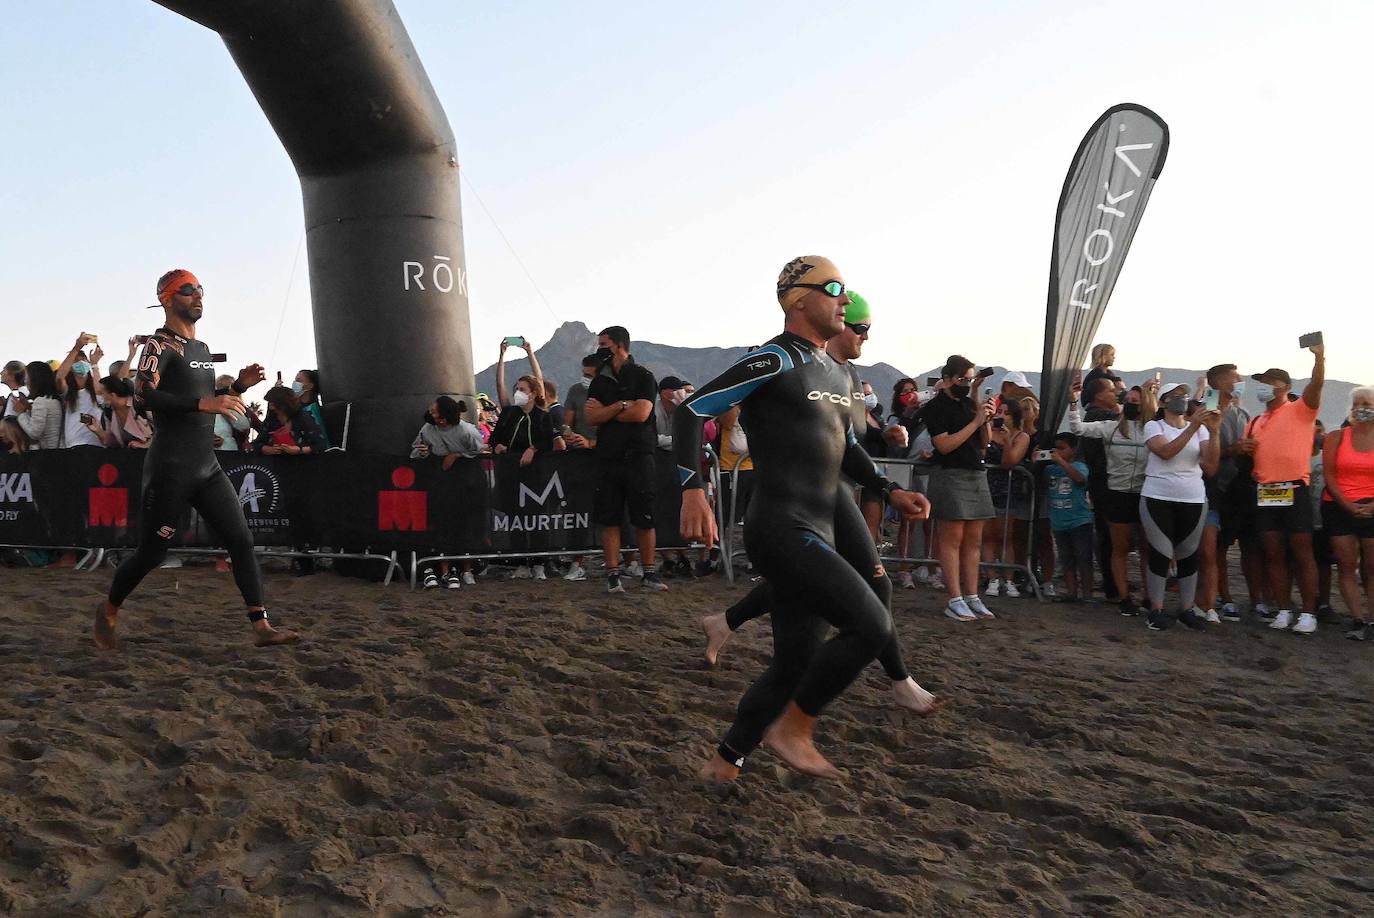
x: 1239, y: 389
x: 871, y: 400
x: 1265, y: 392
x: 678, y: 397
x: 520, y: 398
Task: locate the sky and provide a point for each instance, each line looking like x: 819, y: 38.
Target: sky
x: 654, y: 165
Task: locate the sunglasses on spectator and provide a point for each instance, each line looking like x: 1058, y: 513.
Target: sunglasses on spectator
x: 190, y: 290
x: 858, y: 328
x: 830, y: 288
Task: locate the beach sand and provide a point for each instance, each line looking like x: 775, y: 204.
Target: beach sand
x: 531, y: 748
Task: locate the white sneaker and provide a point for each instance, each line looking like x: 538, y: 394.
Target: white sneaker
x: 975, y: 603
x: 431, y: 579
x: 1212, y: 617
x: 1011, y: 591
x: 937, y: 581
x: 922, y: 575
x: 1047, y: 590
x: 1283, y: 620
x: 905, y: 582
x: 521, y: 573
x: 1307, y: 623
x: 958, y: 610
x: 634, y: 570
x: 994, y: 587
x: 576, y: 572
x: 1229, y: 612
x: 468, y: 579
x: 539, y: 572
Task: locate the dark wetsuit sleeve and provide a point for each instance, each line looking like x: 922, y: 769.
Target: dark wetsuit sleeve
x: 714, y: 399
x: 308, y: 432
x: 147, y: 381
x: 858, y: 465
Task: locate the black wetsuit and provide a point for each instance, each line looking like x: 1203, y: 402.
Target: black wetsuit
x: 854, y: 542
x: 180, y: 469
x: 795, y: 403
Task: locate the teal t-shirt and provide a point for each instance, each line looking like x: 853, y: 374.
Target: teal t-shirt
x: 1069, y: 503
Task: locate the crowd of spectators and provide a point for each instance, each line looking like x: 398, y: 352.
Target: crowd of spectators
x: 1177, y: 473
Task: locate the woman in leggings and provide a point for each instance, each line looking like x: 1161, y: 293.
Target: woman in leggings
x: 1173, y: 501
x: 1348, y: 509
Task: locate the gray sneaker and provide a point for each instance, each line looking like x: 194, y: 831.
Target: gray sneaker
x: 653, y: 582
x: 613, y: 584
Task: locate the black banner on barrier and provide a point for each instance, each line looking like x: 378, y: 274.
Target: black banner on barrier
x: 91, y: 497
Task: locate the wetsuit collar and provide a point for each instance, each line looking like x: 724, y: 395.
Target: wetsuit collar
x: 164, y: 328
x: 802, y: 342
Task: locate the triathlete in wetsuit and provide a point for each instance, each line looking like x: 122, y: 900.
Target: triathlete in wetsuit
x: 795, y: 405
x: 175, y: 380
x: 853, y: 540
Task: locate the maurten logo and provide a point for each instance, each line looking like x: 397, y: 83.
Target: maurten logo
x: 815, y: 395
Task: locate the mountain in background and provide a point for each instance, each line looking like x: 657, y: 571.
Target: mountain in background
x: 561, y: 360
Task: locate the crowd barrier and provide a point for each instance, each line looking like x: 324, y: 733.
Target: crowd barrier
x: 337, y: 504
x: 905, y: 472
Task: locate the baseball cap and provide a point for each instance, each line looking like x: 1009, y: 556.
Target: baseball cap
x: 1016, y: 377
x: 1273, y: 374
x: 669, y: 382
x: 1170, y: 387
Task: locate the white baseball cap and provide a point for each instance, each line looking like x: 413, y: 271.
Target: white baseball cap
x: 1017, y: 377
x: 1169, y: 387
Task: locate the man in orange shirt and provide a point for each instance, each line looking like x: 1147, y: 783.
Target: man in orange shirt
x: 1283, y: 476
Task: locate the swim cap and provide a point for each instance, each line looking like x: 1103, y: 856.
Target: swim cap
x: 808, y: 269
x: 168, y: 283
x: 857, y: 311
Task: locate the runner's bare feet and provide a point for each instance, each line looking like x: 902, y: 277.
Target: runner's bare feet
x: 717, y: 633
x: 264, y: 635
x: 790, y: 738
x: 106, y: 618
x: 717, y: 770
x: 909, y: 694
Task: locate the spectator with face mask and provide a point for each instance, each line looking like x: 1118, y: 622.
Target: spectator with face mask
x: 38, y: 416
x: 1126, y: 459
x: 306, y: 388
x: 577, y: 432
x: 959, y: 497
x: 121, y: 423
x: 1173, y: 501
x: 670, y: 395
x: 1348, y: 509
x: 1283, y: 437
x: 288, y: 431
x: 81, y: 397
x: 1103, y: 404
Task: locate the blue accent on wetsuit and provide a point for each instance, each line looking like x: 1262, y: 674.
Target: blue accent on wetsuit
x: 180, y: 470
x: 800, y: 439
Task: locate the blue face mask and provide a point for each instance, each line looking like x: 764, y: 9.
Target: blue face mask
x: 1239, y: 389
x: 81, y: 368
x: 298, y: 388
x: 1264, y: 392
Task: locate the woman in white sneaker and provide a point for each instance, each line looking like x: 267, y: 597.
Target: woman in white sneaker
x: 1348, y: 509
x: 1008, y: 445
x: 960, y: 501
x: 1173, y: 500
x: 1127, y: 458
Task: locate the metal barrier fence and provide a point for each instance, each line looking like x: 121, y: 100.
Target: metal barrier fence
x: 904, y: 472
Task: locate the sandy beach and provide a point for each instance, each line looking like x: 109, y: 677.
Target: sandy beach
x: 530, y: 749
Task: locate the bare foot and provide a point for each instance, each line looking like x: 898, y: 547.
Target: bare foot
x: 790, y: 738
x: 908, y: 694
x: 264, y: 635
x: 106, y: 618
x: 717, y: 770
x: 717, y: 633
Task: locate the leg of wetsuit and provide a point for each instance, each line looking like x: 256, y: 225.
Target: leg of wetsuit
x: 219, y: 506
x: 854, y: 542
x: 757, y: 603
x: 165, y: 494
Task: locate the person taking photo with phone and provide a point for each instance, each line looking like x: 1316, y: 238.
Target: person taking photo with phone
x: 1283, y: 437
x: 1173, y: 501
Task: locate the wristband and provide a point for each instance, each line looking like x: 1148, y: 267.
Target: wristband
x: 891, y: 487
x: 235, y: 387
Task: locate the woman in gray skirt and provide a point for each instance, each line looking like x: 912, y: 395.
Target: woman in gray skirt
x: 959, y: 497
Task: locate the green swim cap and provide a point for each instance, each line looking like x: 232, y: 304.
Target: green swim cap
x: 857, y: 311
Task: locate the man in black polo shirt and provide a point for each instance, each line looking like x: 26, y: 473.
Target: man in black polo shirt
x: 620, y: 402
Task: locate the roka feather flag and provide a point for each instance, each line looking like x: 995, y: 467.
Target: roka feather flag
x: 1104, y: 197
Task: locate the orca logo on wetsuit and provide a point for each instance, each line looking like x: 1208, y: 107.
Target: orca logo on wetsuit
x: 815, y: 395
x: 199, y: 365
